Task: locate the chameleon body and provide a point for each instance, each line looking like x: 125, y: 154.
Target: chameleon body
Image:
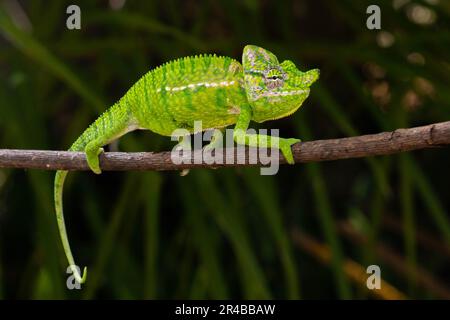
x: 219, y: 91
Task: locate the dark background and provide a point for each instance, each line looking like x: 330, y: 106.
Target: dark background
x: 308, y: 232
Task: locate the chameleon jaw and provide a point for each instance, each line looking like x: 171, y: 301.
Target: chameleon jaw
x: 282, y: 93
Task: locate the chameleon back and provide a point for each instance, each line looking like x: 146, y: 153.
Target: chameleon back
x: 174, y: 95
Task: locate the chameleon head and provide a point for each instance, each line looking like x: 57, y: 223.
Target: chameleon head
x: 275, y: 90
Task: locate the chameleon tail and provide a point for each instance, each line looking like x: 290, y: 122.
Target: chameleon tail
x: 59, y: 184
x: 112, y: 124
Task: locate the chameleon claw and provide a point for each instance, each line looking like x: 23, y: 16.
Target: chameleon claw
x: 285, y: 148
x: 288, y: 156
x: 83, y: 278
x: 184, y: 172
x: 78, y: 278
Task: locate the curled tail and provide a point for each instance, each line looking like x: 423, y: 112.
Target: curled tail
x: 59, y: 184
x: 112, y: 124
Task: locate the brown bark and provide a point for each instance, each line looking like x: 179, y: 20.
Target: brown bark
x: 400, y: 140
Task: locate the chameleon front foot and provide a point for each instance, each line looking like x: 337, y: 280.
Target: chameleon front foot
x: 285, y: 148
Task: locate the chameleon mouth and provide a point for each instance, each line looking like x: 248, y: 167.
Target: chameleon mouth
x: 286, y: 114
x: 283, y: 93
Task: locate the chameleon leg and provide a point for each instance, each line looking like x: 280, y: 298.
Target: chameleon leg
x: 216, y: 140
x: 111, y: 125
x: 258, y: 140
x: 215, y: 143
x: 184, y: 143
x: 92, y: 152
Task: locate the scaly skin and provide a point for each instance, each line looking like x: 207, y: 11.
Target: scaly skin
x: 219, y: 91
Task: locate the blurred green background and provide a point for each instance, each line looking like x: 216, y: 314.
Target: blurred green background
x: 309, y: 232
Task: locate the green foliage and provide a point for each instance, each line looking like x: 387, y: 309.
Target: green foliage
x: 226, y: 233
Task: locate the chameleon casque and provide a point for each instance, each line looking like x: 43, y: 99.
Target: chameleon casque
x: 219, y: 91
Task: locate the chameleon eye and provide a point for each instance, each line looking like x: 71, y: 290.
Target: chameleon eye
x: 274, y: 74
x: 274, y: 77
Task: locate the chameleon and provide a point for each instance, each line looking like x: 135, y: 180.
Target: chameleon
x: 217, y: 90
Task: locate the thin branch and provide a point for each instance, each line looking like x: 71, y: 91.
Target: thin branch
x: 400, y: 140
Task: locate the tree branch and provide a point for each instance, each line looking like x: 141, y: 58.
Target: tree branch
x: 400, y: 140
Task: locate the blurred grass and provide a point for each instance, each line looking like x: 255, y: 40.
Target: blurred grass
x: 265, y: 193
x: 326, y: 219
x: 230, y: 220
x: 222, y: 233
x: 35, y: 50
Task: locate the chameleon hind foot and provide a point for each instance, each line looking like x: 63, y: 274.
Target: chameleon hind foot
x: 184, y: 144
x: 92, y: 154
x: 184, y: 172
x: 215, y: 143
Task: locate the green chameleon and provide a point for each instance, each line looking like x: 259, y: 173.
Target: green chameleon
x: 219, y: 91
